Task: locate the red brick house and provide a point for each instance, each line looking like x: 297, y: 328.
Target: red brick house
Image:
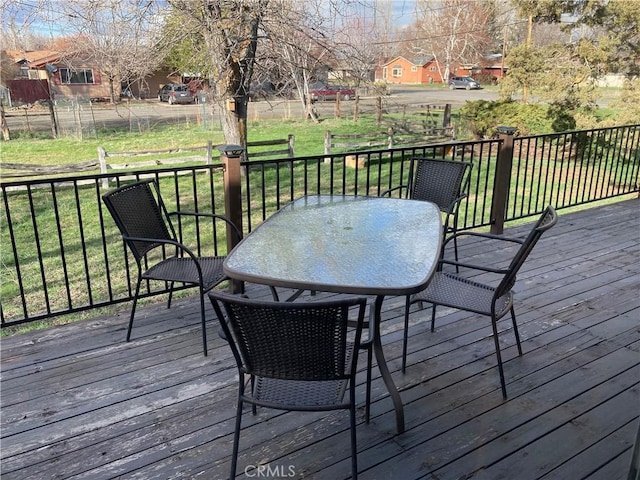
x: 402, y: 70
x: 426, y: 70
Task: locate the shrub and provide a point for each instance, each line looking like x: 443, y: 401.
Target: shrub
x: 484, y: 117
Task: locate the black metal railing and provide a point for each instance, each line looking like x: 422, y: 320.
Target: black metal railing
x: 61, y: 252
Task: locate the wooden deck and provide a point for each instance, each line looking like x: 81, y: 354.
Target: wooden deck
x: 78, y: 402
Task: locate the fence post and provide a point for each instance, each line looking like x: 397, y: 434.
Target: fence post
x: 230, y: 156
x: 209, y: 152
x: 446, y: 116
x: 291, y: 141
x: 327, y: 146
x: 502, y: 179
x: 102, y: 158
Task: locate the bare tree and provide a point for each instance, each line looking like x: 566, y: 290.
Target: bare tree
x: 229, y: 30
x: 453, y: 31
x: 16, y: 20
x: 298, y: 48
x: 301, y: 57
x: 115, y: 35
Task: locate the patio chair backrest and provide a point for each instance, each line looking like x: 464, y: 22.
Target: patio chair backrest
x: 138, y: 211
x: 291, y: 341
x: 440, y: 181
x: 547, y: 220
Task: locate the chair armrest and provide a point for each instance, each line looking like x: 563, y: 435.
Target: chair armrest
x: 388, y: 192
x: 452, y: 205
x: 210, y: 215
x: 472, y: 266
x: 490, y: 236
x: 484, y: 268
x: 165, y: 241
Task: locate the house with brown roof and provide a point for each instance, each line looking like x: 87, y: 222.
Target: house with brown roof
x: 79, y: 78
x: 76, y: 77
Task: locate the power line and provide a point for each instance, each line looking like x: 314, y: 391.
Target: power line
x: 444, y: 35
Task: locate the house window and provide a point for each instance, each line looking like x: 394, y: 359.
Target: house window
x: 396, y: 71
x: 76, y: 76
x: 414, y: 68
x: 433, y: 69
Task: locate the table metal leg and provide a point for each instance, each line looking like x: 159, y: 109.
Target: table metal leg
x: 382, y: 366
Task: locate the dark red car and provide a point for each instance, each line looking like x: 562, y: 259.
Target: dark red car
x: 332, y: 92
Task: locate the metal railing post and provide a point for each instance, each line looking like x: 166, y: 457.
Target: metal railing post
x: 502, y: 180
x: 230, y: 156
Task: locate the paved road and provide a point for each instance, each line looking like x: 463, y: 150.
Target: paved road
x: 140, y: 116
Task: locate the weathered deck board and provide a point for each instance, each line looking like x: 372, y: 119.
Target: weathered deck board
x: 78, y: 402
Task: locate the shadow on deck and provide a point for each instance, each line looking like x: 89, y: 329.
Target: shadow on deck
x: 78, y: 402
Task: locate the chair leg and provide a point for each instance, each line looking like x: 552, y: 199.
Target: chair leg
x: 133, y: 308
x: 236, y: 436
x: 367, y: 400
x: 170, y: 295
x: 433, y: 317
x: 494, y: 325
x: 203, y: 321
x: 354, y: 446
x: 274, y: 293
x: 254, y: 407
x: 455, y: 252
x: 515, y: 330
x: 406, y: 332
x: 455, y: 239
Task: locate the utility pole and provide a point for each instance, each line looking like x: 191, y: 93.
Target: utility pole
x: 525, y: 90
x: 504, y: 50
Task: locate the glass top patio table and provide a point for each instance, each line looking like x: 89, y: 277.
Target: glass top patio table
x: 345, y: 244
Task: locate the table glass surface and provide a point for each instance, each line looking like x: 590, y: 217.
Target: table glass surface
x: 345, y: 244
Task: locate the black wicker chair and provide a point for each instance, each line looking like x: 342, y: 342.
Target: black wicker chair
x: 297, y: 356
x: 145, y: 225
x: 443, y: 182
x: 453, y: 290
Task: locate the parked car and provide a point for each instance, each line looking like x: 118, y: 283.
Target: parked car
x: 463, y: 82
x: 261, y: 91
x: 175, y: 93
x: 332, y: 92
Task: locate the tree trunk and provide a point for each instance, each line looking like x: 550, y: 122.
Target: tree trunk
x: 54, y: 122
x: 233, y: 113
x: 6, y: 135
x: 112, y: 93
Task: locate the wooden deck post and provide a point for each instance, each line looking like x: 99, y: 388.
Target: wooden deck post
x: 230, y: 156
x: 502, y: 179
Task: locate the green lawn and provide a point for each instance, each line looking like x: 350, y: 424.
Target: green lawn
x: 309, y: 140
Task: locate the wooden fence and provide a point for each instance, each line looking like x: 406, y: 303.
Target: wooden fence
x: 174, y: 156
x: 430, y: 124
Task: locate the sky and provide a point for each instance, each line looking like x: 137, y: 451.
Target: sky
x: 404, y: 11
x: 21, y: 12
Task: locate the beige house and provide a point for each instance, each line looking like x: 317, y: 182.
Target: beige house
x: 82, y: 79
x: 75, y: 78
